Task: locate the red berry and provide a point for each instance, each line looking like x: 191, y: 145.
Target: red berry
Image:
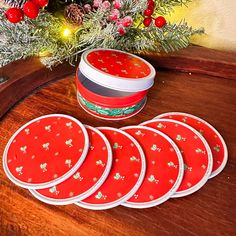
x: 14, y: 15
x: 147, y: 21
x: 151, y: 4
x: 148, y: 12
x: 121, y: 30
x: 160, y: 21
x: 31, y: 10
x: 41, y: 3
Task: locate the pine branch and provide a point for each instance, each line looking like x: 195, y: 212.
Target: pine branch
x: 133, y: 8
x: 44, y: 34
x: 164, y: 7
x: 29, y: 37
x: 15, y: 3
x: 170, y: 38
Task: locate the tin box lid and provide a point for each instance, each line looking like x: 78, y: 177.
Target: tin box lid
x: 117, y: 70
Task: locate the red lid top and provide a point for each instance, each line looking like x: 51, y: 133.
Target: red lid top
x: 117, y: 70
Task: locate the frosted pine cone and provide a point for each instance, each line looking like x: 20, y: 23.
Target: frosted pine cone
x: 74, y: 14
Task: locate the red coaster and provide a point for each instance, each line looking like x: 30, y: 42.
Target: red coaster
x: 45, y: 151
x: 195, y: 151
x: 126, y: 174
x: 87, y: 179
x: 212, y: 136
x: 165, y: 167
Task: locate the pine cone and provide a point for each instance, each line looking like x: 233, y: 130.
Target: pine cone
x: 74, y: 14
x: 15, y: 3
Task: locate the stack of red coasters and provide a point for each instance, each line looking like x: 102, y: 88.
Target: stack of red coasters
x: 62, y: 161
x: 112, y: 84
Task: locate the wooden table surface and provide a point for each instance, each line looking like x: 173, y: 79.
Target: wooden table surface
x: 210, y: 211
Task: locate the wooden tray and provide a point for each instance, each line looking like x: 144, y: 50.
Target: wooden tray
x: 196, y: 80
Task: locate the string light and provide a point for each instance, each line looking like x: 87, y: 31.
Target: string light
x: 66, y: 32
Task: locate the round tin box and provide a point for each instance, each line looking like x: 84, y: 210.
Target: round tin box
x: 112, y: 84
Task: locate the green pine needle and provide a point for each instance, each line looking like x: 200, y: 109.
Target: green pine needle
x: 44, y: 35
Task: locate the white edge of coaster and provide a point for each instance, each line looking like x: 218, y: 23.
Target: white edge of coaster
x: 90, y: 191
x: 103, y: 118
x: 223, y: 164
x: 209, y: 154
x: 177, y: 182
x: 133, y: 190
x: 58, y: 180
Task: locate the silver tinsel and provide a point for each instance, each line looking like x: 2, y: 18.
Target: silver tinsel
x: 15, y: 3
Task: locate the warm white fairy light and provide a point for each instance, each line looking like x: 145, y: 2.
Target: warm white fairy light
x: 67, y: 32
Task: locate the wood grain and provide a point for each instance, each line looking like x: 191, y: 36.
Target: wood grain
x: 23, y: 77
x: 198, y: 60
x: 210, y: 211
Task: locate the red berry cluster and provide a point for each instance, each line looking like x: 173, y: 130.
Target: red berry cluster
x: 30, y: 9
x: 160, y: 21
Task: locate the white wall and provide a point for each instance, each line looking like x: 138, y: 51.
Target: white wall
x: 218, y: 17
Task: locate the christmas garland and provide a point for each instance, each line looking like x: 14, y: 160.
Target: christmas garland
x: 111, y: 111
x: 63, y: 30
